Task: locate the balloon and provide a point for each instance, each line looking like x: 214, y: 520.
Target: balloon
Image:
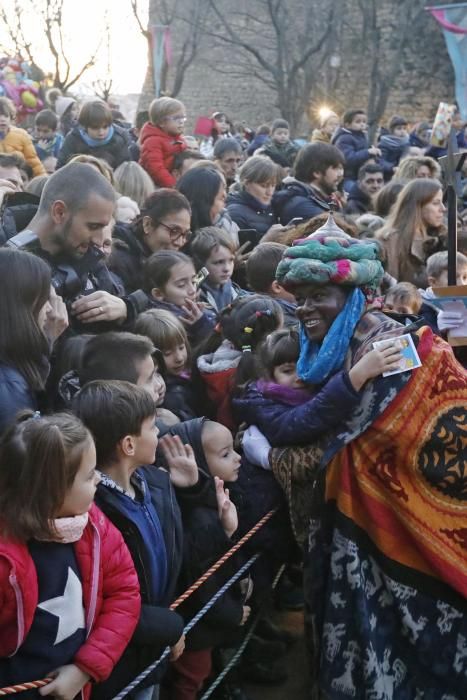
x: 28, y: 99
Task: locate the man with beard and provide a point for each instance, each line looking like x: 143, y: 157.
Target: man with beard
x: 319, y: 169
x: 77, y: 203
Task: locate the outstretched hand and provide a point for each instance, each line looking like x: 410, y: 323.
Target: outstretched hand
x: 226, y: 509
x: 180, y: 460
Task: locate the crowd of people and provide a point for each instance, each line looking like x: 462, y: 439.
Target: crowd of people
x: 194, y: 332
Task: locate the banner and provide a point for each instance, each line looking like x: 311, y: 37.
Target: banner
x: 453, y: 19
x: 161, y: 50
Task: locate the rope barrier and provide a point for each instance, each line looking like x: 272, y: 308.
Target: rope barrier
x: 20, y: 687
x: 216, y: 683
x: 144, y: 674
x: 222, y: 560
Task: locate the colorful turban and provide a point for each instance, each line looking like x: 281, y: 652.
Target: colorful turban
x: 323, y: 259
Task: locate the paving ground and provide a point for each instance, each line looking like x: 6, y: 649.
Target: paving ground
x: 295, y: 687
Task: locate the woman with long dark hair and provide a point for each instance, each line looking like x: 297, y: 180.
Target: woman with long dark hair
x: 25, y: 331
x: 204, y: 187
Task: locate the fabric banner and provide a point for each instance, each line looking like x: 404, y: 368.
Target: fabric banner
x: 453, y: 19
x: 161, y: 50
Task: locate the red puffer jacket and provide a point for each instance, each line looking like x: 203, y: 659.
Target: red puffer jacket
x: 157, y: 153
x: 110, y: 590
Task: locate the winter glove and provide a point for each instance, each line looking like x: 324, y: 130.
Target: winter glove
x: 448, y: 320
x: 256, y: 447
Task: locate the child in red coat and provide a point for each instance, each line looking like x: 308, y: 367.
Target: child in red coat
x: 161, y: 138
x: 69, y: 594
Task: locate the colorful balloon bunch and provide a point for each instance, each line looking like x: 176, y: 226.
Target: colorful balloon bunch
x: 16, y: 83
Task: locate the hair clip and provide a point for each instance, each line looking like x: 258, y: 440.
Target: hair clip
x: 267, y: 312
x: 35, y: 416
x: 246, y: 348
x: 248, y: 329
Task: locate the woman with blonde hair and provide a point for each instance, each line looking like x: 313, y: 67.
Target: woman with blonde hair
x: 414, y: 230
x: 418, y: 167
x: 251, y: 208
x: 131, y: 180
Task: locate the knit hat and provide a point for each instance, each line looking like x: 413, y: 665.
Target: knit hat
x: 325, y: 117
x: 324, y: 259
x: 62, y: 104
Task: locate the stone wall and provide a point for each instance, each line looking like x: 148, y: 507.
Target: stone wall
x: 425, y: 75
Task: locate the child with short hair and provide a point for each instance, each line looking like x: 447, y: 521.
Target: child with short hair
x: 161, y: 138
x: 437, y: 274
x: 47, y: 141
x: 169, y: 336
x: 169, y: 280
x: 69, y: 590
x: 15, y: 140
x: 96, y: 135
x: 139, y: 500
x: 285, y: 409
x: 352, y: 140
x: 403, y: 298
x: 281, y: 148
x: 395, y: 144
x: 261, y: 269
x: 215, y: 250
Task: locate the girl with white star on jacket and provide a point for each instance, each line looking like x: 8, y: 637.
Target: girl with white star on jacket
x: 69, y: 594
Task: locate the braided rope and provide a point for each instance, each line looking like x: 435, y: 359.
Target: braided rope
x: 216, y: 683
x: 181, y: 599
x: 20, y: 687
x: 144, y: 674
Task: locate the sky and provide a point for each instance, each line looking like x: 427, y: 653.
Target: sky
x: 84, y: 25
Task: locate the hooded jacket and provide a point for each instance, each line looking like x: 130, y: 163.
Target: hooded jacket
x: 204, y: 543
x: 110, y: 593
x: 157, y: 151
x: 18, y: 141
x: 217, y: 371
x: 248, y: 212
x: 298, y: 199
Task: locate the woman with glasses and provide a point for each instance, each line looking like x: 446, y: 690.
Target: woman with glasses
x: 161, y: 138
x: 164, y: 224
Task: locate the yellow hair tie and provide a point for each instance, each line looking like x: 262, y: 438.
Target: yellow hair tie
x: 248, y: 329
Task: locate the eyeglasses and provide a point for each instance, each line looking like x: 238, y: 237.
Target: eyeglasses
x: 175, y: 232
x: 178, y: 118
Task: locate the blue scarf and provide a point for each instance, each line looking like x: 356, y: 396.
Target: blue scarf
x: 318, y: 362
x: 96, y: 142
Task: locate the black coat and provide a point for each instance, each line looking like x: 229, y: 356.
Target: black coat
x: 204, y: 543
x: 297, y: 199
x: 358, y: 202
x: 158, y: 626
x: 114, y: 153
x: 128, y: 256
x: 180, y: 397
x: 248, y: 212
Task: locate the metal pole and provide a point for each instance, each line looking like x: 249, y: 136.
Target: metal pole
x: 452, y: 235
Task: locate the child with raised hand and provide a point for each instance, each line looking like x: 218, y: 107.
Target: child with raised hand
x: 140, y: 502
x: 213, y: 249
x: 169, y: 280
x: 285, y: 409
x: 69, y: 592
x: 169, y: 336
x: 209, y: 522
x: 226, y: 359
x: 161, y: 138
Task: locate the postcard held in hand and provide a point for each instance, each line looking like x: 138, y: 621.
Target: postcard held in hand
x: 410, y: 359
x: 453, y: 299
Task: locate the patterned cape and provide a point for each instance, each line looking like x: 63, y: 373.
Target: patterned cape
x: 384, y: 502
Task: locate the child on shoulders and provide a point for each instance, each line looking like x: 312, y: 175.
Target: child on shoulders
x: 161, y: 138
x: 15, y: 140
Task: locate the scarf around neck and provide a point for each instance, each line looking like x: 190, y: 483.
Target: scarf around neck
x: 96, y: 142
x: 317, y: 363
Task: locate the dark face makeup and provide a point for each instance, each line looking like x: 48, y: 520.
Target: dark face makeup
x: 318, y: 307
